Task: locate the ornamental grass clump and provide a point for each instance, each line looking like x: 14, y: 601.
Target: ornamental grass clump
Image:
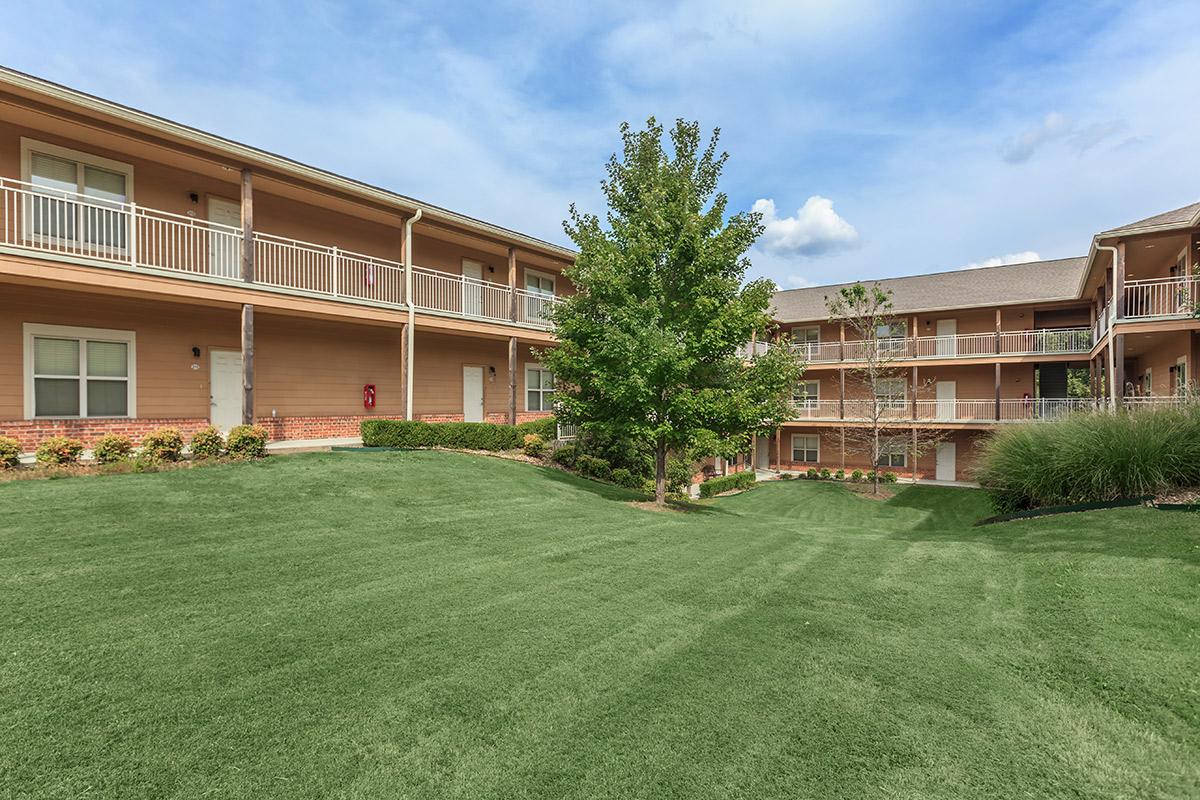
x: 1092, y: 457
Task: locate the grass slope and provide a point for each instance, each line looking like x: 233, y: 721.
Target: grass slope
x: 438, y: 625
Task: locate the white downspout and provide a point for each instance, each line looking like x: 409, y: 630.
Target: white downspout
x: 408, y: 300
x: 1112, y: 334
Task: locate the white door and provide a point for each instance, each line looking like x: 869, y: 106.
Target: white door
x: 763, y: 453
x: 225, y: 387
x: 946, y: 396
x: 224, y: 253
x: 947, y: 345
x: 472, y: 300
x: 945, y: 461
x: 473, y: 394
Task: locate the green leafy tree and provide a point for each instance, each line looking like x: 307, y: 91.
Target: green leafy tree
x: 652, y: 345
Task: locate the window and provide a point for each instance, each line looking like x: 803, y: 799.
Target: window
x: 805, y: 340
x: 60, y: 176
x: 806, y: 394
x: 892, y: 453
x: 806, y: 448
x: 539, y: 388
x: 78, y: 372
x: 892, y: 337
x: 539, y: 283
x: 892, y: 393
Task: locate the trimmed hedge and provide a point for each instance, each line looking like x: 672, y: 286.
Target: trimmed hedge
x: 738, y: 480
x: 112, y: 448
x: 545, y: 427
x: 458, y: 435
x: 208, y: 443
x: 59, y: 451
x: 10, y: 453
x: 164, y: 444
x: 247, y: 441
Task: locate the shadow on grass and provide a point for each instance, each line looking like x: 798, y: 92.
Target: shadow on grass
x: 610, y: 491
x: 951, y: 513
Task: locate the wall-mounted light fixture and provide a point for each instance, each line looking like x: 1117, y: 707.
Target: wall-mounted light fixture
x: 195, y: 198
x: 195, y: 352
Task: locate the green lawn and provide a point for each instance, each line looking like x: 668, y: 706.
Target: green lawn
x: 439, y: 625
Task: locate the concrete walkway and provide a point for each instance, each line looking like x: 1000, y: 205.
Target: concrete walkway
x: 312, y: 445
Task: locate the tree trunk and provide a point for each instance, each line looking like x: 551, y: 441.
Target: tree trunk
x: 660, y: 472
x: 875, y: 457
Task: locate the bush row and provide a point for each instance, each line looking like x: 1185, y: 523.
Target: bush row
x: 162, y: 445
x: 857, y: 476
x: 1092, y: 457
x: 727, y: 483
x: 458, y: 435
x: 572, y: 457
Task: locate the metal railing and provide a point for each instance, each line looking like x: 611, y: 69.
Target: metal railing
x: 1154, y: 298
x: 934, y: 410
x: 1047, y: 341
x: 130, y: 236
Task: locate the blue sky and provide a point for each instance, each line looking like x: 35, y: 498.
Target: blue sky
x: 881, y: 139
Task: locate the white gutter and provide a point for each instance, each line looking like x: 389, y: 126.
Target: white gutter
x: 410, y: 330
x: 1112, y: 335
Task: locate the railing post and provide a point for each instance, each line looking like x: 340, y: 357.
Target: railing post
x: 334, y: 277
x: 132, y: 244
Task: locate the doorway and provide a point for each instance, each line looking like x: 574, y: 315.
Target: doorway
x: 946, y: 467
x: 224, y: 252
x: 946, y: 399
x: 947, y: 344
x: 473, y: 394
x: 225, y: 388
x: 472, y: 289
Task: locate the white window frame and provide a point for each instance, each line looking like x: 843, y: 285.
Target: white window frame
x: 809, y: 400
x: 806, y: 331
x: 537, y: 273
x: 532, y: 366
x: 31, y: 330
x: 815, y: 436
x: 891, y: 400
x: 891, y: 447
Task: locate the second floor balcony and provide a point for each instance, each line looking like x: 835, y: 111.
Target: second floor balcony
x: 127, y: 236
x: 1046, y: 341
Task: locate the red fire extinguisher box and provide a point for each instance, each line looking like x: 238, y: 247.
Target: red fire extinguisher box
x: 369, y: 395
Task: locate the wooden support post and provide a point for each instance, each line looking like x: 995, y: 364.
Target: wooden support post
x: 247, y: 364
x: 914, y: 454
x: 997, y: 391
x: 404, y: 368
x: 912, y: 336
x: 843, y: 430
x: 247, y: 226
x: 997, y: 331
x: 1119, y: 368
x: 512, y: 283
x: 842, y: 340
x: 778, y: 449
x: 842, y: 394
x: 914, y: 392
x: 512, y: 380
x: 1119, y: 281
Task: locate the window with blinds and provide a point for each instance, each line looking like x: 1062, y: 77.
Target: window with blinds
x: 806, y: 394
x: 59, y: 214
x: 80, y: 377
x: 806, y: 448
x: 539, y: 389
x: 893, y: 452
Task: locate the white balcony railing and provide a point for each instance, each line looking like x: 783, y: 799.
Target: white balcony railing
x: 815, y: 409
x: 1043, y: 341
x: 143, y: 239
x: 1155, y: 298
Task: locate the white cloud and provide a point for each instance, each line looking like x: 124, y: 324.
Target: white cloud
x: 816, y: 229
x: 1022, y: 257
x: 1056, y: 126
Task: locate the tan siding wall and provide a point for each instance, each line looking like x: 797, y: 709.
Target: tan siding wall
x: 1162, y: 353
x: 438, y: 374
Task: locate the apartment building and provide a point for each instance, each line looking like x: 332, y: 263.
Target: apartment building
x: 153, y: 274
x: 972, y: 350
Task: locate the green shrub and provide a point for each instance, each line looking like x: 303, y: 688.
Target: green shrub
x: 59, y: 451
x: 738, y: 480
x: 533, y: 445
x: 647, y: 486
x: 826, y: 474
x: 208, y: 443
x: 623, y: 477
x: 458, y: 435
x: 870, y: 476
x: 247, y: 441
x: 164, y: 444
x: 635, y: 455
x: 593, y: 467
x: 565, y: 456
x: 112, y: 448
x: 812, y: 473
x: 1091, y: 457
x: 857, y: 476
x: 890, y: 477
x: 545, y: 427
x: 840, y: 475
x: 10, y: 453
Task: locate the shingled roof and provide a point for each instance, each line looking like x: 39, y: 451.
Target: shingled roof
x: 1032, y: 282
x: 1179, y: 218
